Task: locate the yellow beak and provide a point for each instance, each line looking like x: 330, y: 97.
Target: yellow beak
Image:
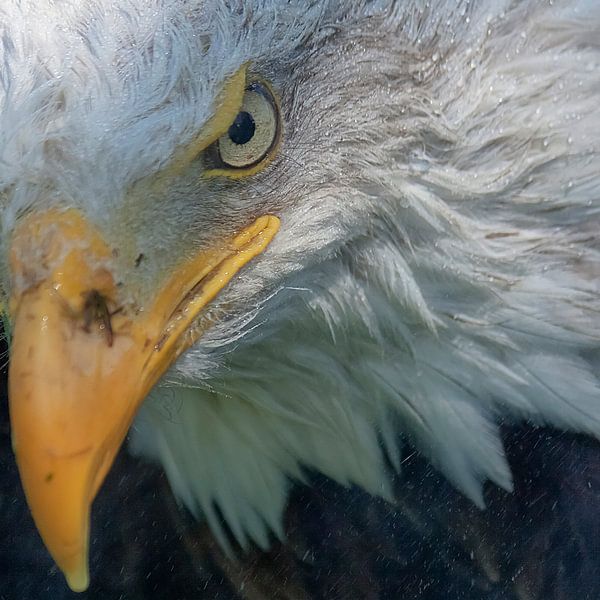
x: 83, y: 360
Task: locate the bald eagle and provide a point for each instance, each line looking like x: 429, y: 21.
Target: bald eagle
x: 289, y: 237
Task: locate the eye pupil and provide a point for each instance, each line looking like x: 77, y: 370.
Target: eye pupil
x: 242, y: 129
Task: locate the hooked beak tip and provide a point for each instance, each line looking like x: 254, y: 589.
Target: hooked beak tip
x: 78, y: 578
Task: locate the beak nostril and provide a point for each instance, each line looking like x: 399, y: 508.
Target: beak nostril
x: 95, y: 310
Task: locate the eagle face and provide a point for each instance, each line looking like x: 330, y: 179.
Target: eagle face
x: 298, y: 236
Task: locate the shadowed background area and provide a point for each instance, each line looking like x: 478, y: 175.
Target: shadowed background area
x: 542, y: 542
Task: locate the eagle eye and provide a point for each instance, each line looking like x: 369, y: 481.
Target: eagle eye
x: 252, y: 138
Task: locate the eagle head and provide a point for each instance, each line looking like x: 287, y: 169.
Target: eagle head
x: 299, y: 236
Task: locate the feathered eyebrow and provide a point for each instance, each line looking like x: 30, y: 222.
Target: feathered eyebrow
x: 227, y: 106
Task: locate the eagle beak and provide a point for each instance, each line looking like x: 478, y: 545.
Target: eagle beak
x: 83, y: 360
